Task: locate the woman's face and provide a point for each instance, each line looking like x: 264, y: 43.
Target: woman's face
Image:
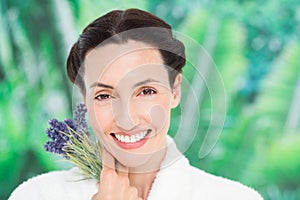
x: 129, y: 98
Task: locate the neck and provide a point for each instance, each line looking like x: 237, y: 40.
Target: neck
x: 143, y: 177
x: 142, y: 182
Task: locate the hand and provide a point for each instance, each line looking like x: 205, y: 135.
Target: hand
x: 114, y: 182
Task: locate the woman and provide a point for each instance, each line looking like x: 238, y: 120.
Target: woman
x: 128, y: 65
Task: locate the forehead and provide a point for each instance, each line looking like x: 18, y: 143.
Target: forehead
x: 112, y: 63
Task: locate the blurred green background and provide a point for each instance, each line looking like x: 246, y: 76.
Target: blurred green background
x: 254, y: 44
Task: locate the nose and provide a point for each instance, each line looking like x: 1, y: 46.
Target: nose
x: 124, y: 115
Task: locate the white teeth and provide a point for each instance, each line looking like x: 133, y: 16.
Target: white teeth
x: 127, y: 140
x: 118, y: 137
x: 132, y: 138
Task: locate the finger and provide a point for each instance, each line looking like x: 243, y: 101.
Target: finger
x: 121, y: 169
x: 108, y: 169
x: 108, y: 161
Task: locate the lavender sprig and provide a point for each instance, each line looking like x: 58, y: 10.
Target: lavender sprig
x: 56, y: 133
x: 79, y: 118
x: 71, y: 139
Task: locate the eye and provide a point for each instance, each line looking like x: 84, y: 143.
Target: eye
x: 148, y: 91
x: 103, y: 97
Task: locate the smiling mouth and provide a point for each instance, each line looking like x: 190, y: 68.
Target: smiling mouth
x: 128, y: 139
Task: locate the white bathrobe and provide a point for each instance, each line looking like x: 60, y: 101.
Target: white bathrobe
x: 176, y: 180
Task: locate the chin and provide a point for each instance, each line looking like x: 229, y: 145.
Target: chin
x: 132, y: 160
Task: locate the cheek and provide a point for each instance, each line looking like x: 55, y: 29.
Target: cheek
x: 161, y: 114
x: 159, y: 117
x: 100, y: 118
x: 157, y: 112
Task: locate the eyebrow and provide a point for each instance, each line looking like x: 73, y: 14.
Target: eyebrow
x: 145, y: 82
x: 96, y: 84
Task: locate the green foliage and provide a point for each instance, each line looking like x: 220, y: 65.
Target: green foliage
x: 255, y: 47
x: 281, y: 166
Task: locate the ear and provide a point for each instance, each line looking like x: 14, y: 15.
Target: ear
x: 176, y: 91
x: 84, y: 101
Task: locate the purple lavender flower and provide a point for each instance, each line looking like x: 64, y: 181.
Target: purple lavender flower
x: 58, y: 138
x: 79, y: 118
x: 70, y: 138
x: 59, y: 131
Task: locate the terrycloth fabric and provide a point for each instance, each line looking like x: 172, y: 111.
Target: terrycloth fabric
x: 176, y: 180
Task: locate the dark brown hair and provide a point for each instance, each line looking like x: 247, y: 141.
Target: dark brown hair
x: 119, y: 26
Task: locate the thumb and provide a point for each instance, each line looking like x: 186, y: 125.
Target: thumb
x: 108, y: 161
